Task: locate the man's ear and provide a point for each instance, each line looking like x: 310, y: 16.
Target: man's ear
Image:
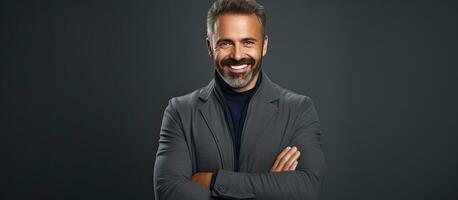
x: 265, y: 44
x: 209, y: 47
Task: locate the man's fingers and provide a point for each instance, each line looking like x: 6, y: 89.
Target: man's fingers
x: 293, y: 166
x: 286, y: 158
x: 277, y: 160
x: 291, y: 161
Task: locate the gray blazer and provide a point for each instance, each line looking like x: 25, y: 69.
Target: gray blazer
x: 195, y: 137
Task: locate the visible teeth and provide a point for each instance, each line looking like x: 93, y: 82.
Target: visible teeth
x: 238, y: 67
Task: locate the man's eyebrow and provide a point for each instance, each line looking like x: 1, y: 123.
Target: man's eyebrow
x: 223, y: 40
x: 244, y: 39
x: 249, y: 38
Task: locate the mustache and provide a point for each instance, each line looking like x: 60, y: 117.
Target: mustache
x: 243, y: 61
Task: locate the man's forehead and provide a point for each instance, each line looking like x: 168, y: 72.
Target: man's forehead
x: 237, y: 24
x: 231, y: 18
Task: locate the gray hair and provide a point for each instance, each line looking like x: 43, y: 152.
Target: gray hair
x: 220, y: 7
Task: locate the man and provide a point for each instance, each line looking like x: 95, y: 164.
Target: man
x: 242, y: 136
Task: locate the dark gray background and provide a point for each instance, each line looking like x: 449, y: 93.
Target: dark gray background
x: 84, y: 85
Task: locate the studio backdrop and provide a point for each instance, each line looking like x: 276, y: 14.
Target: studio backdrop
x: 84, y: 84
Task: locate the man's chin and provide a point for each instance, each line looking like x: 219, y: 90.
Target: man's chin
x: 237, y: 76
x: 239, y: 81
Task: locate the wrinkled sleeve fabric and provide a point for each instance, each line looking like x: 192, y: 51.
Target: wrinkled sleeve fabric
x: 173, y: 167
x: 304, y: 183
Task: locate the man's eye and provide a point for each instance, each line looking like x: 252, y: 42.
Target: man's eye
x: 224, y: 44
x: 249, y: 43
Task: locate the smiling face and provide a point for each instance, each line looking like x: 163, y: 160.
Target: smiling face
x: 237, y: 46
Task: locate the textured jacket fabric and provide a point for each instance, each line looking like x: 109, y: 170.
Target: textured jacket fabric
x: 195, y: 137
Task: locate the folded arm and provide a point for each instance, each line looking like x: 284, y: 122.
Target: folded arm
x: 302, y: 183
x: 173, y: 168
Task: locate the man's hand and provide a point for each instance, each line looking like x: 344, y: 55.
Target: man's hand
x: 203, y: 178
x: 286, y: 160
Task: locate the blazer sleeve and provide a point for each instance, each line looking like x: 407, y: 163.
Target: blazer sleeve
x: 173, y: 167
x: 303, y: 183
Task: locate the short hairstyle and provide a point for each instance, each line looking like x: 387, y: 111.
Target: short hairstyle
x: 220, y: 7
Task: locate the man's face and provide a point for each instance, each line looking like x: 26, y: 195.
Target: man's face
x: 237, y: 47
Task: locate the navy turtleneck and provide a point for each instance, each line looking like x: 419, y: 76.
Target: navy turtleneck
x: 236, y: 106
x: 236, y: 109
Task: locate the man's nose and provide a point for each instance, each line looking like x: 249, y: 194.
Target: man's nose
x: 237, y: 52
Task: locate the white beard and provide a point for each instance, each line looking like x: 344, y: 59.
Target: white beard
x: 228, y: 79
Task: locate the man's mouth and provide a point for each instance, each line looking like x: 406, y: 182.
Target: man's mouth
x: 238, y: 68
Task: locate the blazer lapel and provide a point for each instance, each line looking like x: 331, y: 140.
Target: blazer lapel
x: 261, y: 110
x: 213, y: 114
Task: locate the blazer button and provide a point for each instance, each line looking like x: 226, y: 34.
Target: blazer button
x: 222, y: 189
